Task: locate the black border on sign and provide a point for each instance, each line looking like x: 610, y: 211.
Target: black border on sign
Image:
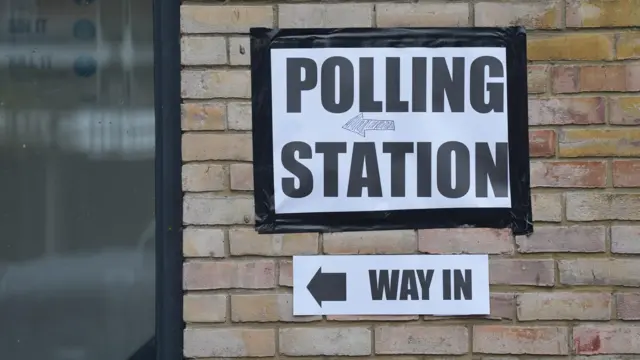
x: 518, y: 217
x: 168, y: 189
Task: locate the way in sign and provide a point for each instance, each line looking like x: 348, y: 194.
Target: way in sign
x: 391, y: 285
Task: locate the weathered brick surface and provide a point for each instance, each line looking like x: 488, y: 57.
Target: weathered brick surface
x: 235, y: 342
x: 535, y: 340
x: 542, y: 143
x: 436, y: 14
x: 628, y: 306
x: 626, y: 173
x: 536, y: 15
x: 351, y: 341
x: 625, y: 239
x: 576, y: 174
x: 411, y: 339
x: 538, y: 78
x: 570, y: 47
x: 265, y: 308
x: 571, y: 290
x: 378, y: 242
x: 205, y: 308
x: 240, y: 274
x: 522, y: 272
x: 465, y: 241
x: 547, y: 207
x: 248, y: 242
x: 203, y: 242
x: 623, y: 272
x: 624, y: 110
x: 564, y: 306
x: 203, y: 116
x: 602, y: 206
x: 564, y: 239
x: 606, y: 339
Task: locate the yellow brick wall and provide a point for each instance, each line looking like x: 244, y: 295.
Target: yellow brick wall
x: 570, y: 290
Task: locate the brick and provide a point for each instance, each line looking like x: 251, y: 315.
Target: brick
x: 570, y: 47
x: 346, y: 341
x: 628, y: 306
x: 566, y: 111
x: 203, y: 177
x: 534, y: 340
x: 285, y: 277
x: 628, y: 46
x: 626, y: 173
x: 547, y: 207
x: 625, y: 239
x: 603, y: 13
x: 239, y: 117
x: 208, y: 209
x: 542, y: 143
x: 412, y: 339
x: 371, y: 242
x: 574, y: 174
x: 606, y: 339
x: 465, y: 241
x: 229, y: 342
x: 239, y: 50
x: 249, y: 242
x: 503, y: 306
x: 199, y: 147
x: 246, y: 274
x: 203, y: 116
x: 602, y: 206
x: 539, y: 15
x: 202, y: 19
x: 372, y: 317
x: 623, y: 272
x: 624, y: 110
x: 208, y: 84
x: 203, y: 50
x: 521, y: 272
x: 265, y: 308
x: 588, y: 78
x: 599, y: 142
x: 606, y: 357
x: 412, y: 15
x: 325, y: 15
x: 197, y: 242
x: 241, y: 176
x: 200, y: 308
x: 563, y: 239
x: 564, y: 306
x: 538, y: 76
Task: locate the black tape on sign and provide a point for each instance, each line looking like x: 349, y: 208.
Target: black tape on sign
x: 398, y: 128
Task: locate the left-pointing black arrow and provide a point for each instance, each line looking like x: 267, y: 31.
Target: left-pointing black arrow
x: 328, y: 287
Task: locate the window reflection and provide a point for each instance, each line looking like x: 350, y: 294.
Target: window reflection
x: 77, y: 137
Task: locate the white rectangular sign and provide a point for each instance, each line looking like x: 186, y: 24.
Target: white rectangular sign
x: 391, y: 285
x: 377, y: 129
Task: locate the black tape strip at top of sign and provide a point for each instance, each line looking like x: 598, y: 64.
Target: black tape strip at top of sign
x: 518, y: 217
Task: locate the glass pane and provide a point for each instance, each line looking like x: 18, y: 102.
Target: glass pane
x: 77, y: 250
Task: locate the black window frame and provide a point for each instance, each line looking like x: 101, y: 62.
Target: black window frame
x: 168, y: 186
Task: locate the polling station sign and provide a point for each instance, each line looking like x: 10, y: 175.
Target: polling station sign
x: 391, y: 285
x: 360, y: 129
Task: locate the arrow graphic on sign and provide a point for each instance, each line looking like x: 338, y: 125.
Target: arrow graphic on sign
x: 359, y: 125
x: 328, y: 287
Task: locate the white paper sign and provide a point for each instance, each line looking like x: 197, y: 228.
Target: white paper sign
x: 374, y: 129
x: 391, y: 285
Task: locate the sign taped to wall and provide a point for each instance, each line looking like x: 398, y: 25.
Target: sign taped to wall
x: 391, y: 285
x: 362, y: 129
